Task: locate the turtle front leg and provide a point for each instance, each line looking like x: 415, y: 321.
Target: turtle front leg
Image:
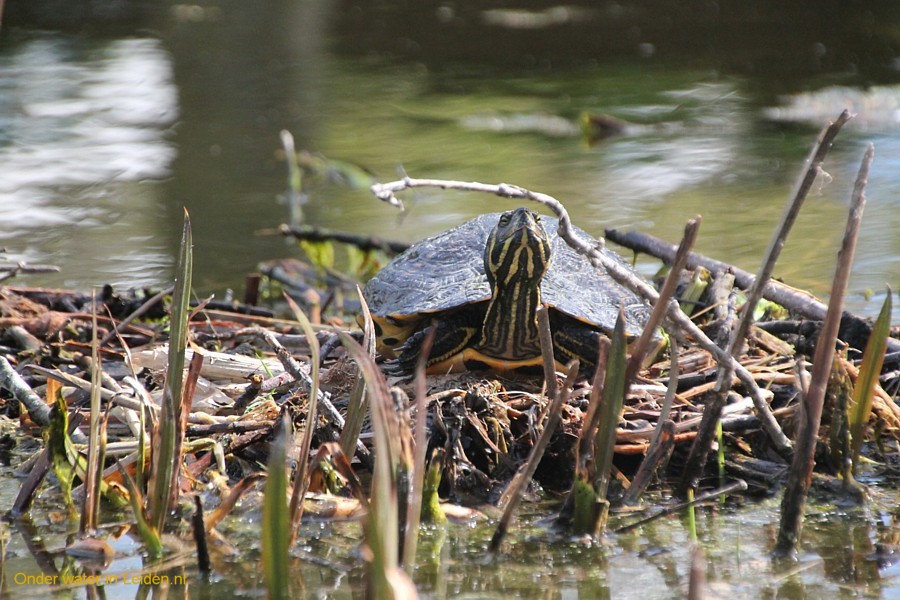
x: 454, y: 334
x: 571, y: 340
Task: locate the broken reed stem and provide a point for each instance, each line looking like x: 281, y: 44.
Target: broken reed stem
x: 697, y: 579
x: 90, y: 511
x: 713, y: 403
x: 814, y: 166
x: 526, y: 472
x: 386, y: 192
x: 585, y: 455
x: 712, y: 410
x: 800, y: 475
x: 546, y: 337
x: 666, y: 292
x: 414, y: 509
x: 655, y: 456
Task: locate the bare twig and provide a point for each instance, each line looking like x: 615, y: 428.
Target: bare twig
x: 363, y: 242
x: 737, y: 486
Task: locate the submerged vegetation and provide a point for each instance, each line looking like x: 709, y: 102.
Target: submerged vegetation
x: 195, y: 406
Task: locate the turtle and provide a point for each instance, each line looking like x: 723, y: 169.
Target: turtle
x: 480, y: 283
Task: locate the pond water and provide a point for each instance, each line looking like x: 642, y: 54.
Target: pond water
x: 108, y: 129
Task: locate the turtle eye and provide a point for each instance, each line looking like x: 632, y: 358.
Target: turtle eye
x: 537, y: 218
x: 504, y: 219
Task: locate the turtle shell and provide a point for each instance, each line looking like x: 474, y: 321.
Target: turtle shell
x: 446, y: 272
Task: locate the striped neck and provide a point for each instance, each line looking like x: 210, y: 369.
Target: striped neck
x: 510, y: 326
x: 516, y: 256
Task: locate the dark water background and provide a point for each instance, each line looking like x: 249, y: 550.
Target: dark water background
x: 114, y: 116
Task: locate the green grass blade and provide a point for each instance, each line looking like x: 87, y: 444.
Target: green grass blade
x: 163, y: 470
x: 276, y: 523
x: 869, y: 370
x: 90, y: 511
x: 382, y: 525
x: 151, y: 537
x: 613, y: 398
x: 300, y: 477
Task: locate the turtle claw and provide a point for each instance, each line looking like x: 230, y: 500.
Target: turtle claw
x: 395, y: 368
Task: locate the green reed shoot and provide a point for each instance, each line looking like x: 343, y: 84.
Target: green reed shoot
x: 276, y: 523
x: 869, y: 370
x: 90, y: 512
x: 610, y: 411
x: 382, y: 522
x: 166, y: 454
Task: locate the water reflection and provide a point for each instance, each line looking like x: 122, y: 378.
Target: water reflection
x: 83, y: 135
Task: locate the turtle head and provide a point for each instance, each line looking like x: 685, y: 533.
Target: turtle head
x: 517, y: 249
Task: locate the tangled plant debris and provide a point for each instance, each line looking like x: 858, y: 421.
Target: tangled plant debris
x: 262, y: 373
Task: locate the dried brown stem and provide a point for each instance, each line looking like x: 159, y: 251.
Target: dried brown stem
x: 794, y: 500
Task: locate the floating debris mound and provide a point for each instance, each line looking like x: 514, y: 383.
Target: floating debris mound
x: 486, y: 423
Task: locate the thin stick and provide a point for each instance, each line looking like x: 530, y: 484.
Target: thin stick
x: 386, y: 192
x: 653, y: 457
x: 363, y: 242
x: 794, y: 500
x: 546, y: 337
x: 141, y: 310
x: 737, y: 486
